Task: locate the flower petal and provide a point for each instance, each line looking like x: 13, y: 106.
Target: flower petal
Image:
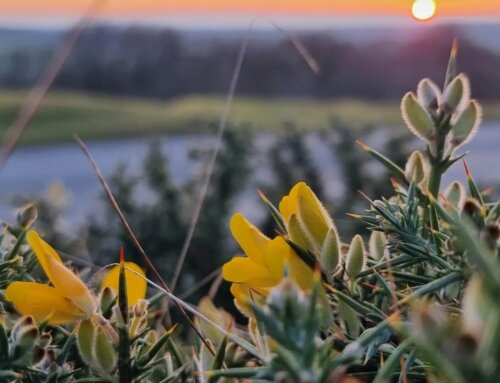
x: 43, y: 251
x: 244, y: 270
x: 276, y: 256
x: 300, y: 273
x: 42, y: 302
x: 67, y: 283
x: 289, y: 204
x: 243, y: 294
x: 136, y: 286
x: 251, y: 239
x: 71, y: 287
x: 310, y: 198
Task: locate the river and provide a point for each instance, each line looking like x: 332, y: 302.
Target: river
x: 31, y: 170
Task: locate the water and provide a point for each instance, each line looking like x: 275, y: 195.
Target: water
x: 31, y: 170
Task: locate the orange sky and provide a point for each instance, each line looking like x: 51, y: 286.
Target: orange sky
x: 328, y: 7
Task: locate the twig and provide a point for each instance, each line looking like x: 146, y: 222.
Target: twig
x: 37, y: 94
x: 134, y: 239
x: 211, y: 165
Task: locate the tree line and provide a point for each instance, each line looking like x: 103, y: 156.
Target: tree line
x: 162, y: 63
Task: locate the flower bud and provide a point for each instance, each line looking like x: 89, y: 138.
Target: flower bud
x: 314, y: 225
x: 141, y: 308
x: 26, y: 320
x: 38, y: 355
x: 490, y: 234
x: 355, y: 256
x: 330, y: 253
x: 45, y: 340
x: 26, y: 215
x: 26, y: 337
x: 104, y: 352
x: 107, y: 299
x: 151, y: 337
x: 415, y: 169
x: 85, y: 339
x: 471, y: 208
x: 465, y: 126
x: 457, y: 93
x: 418, y: 120
x: 377, y: 245
x: 455, y: 194
x: 475, y: 308
x: 429, y: 95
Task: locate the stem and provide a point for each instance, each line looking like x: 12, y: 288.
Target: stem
x: 435, y: 179
x: 123, y: 332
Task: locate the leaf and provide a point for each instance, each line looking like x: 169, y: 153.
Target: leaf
x: 385, y: 372
x: 394, y: 169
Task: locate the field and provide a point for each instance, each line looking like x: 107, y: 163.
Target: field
x: 100, y: 117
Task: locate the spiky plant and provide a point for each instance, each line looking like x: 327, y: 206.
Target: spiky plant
x: 413, y: 302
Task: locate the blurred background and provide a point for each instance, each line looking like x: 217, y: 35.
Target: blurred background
x: 146, y: 85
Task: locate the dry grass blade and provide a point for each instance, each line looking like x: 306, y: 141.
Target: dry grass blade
x: 214, y: 274
x: 211, y: 165
x: 301, y: 48
x: 134, y: 239
x: 37, y: 94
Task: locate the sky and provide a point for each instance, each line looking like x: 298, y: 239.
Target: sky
x: 50, y: 11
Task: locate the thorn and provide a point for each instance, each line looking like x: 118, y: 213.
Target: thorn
x: 467, y: 170
x: 263, y: 196
x: 355, y: 216
x: 395, y: 183
x: 172, y: 329
x: 488, y: 191
x: 122, y: 255
x: 363, y: 146
x: 454, y: 48
x: 365, y: 196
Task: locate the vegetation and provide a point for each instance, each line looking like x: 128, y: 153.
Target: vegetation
x: 101, y: 117
x: 415, y: 302
x: 98, y: 117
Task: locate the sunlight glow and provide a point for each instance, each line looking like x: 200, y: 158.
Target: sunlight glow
x: 423, y: 9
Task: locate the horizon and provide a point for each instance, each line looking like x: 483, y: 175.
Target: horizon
x: 224, y: 14
x: 225, y: 21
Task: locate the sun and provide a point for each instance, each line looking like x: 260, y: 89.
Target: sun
x: 423, y: 9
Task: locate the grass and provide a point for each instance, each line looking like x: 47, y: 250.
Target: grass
x: 100, y: 117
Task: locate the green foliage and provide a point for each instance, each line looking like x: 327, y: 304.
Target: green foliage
x: 416, y: 301
x: 161, y: 221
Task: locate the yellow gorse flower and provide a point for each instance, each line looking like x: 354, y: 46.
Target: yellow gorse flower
x: 68, y: 299
x: 265, y: 263
x: 136, y: 286
x: 306, y: 220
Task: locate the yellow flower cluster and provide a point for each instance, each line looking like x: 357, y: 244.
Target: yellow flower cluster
x: 267, y: 260
x: 68, y: 299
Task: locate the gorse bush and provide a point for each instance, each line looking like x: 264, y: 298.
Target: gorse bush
x: 415, y: 301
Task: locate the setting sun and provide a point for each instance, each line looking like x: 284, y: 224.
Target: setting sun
x: 423, y: 9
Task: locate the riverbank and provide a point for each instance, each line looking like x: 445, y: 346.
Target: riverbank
x: 96, y: 117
